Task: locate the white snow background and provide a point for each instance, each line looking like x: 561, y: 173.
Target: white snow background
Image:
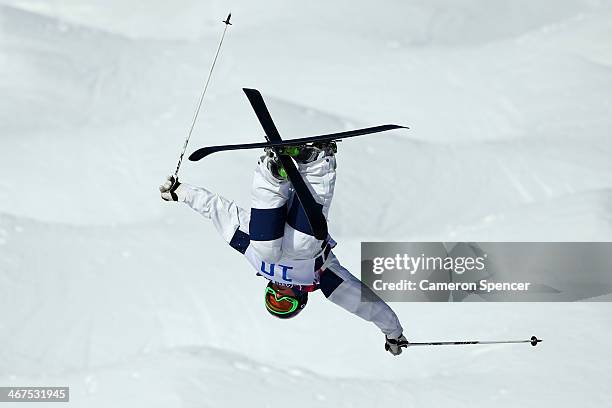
x: 133, y: 302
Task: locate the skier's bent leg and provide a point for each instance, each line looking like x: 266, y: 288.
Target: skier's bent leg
x: 320, y: 176
x: 268, y: 213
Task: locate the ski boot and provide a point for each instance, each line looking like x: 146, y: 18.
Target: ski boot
x: 300, y: 153
x: 274, y: 165
x: 310, y: 152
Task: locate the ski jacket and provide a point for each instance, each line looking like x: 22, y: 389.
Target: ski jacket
x: 336, y: 282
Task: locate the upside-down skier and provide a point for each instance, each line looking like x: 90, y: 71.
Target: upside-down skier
x: 277, y: 240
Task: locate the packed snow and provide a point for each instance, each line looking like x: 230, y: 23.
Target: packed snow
x: 134, y: 302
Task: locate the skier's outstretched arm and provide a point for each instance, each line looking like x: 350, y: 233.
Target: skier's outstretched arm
x: 342, y: 288
x: 225, y: 214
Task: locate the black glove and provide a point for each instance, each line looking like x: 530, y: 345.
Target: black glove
x: 394, y: 346
x: 168, y: 189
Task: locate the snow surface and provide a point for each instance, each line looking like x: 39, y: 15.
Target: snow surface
x: 107, y: 289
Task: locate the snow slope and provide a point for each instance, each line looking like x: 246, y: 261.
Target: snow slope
x: 105, y: 288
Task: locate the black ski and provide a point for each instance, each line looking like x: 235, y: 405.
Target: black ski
x: 205, y: 151
x: 315, y: 216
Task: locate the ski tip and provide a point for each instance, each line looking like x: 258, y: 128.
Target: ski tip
x: 198, y: 154
x: 397, y: 127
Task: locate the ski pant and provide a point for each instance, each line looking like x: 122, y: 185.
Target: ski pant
x: 278, y: 225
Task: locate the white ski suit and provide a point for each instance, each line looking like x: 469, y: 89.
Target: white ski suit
x: 277, y: 240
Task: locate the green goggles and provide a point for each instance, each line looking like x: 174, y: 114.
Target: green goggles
x: 280, y: 304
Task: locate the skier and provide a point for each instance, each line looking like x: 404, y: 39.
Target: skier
x: 276, y: 238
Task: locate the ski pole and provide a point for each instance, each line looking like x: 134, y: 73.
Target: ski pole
x: 195, y: 116
x: 533, y: 341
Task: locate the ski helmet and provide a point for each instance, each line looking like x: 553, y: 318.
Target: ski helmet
x: 284, y: 306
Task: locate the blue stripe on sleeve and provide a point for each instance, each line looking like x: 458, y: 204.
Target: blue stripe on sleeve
x: 267, y: 224
x: 329, y: 282
x: 240, y: 241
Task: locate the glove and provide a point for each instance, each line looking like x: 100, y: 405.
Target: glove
x: 168, y: 189
x: 394, y: 346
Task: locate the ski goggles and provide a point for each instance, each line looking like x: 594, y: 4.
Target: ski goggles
x: 280, y: 304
